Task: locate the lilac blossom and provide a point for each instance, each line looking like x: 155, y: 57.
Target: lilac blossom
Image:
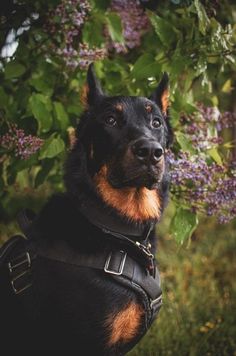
x: 213, y: 115
x: 65, y: 25
x: 203, y: 127
x: 134, y: 21
x: 203, y: 185
x: 17, y: 141
x: 81, y: 57
x: 198, y: 181
x: 66, y: 22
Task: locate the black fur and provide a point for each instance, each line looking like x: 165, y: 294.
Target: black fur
x: 72, y: 305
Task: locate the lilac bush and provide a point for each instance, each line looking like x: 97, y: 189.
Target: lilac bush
x: 65, y: 24
x: 66, y: 21
x: 209, y: 188
x: 197, y: 180
x: 134, y: 22
x: 20, y: 144
x: 203, y: 127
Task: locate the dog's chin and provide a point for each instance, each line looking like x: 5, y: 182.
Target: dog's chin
x: 143, y: 181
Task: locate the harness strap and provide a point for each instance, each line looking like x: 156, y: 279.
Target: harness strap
x: 115, y: 263
x: 8, y: 246
x: 20, y: 272
x: 120, y: 266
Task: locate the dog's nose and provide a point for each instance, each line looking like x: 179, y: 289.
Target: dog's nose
x: 147, y: 151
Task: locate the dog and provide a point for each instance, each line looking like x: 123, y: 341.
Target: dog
x: 83, y: 279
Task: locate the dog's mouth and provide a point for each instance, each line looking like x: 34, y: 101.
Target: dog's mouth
x: 139, y: 177
x: 141, y: 164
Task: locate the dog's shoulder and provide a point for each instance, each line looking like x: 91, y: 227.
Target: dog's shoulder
x: 56, y: 217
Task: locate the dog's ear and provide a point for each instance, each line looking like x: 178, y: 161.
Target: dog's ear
x: 161, y: 94
x: 92, y: 92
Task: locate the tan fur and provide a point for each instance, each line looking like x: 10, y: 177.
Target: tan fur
x: 165, y: 100
x: 84, y: 95
x: 119, y: 107
x: 137, y: 204
x: 72, y: 136
x: 148, y: 108
x: 125, y: 324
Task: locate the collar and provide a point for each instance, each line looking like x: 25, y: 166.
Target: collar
x: 132, y: 235
x: 104, y: 218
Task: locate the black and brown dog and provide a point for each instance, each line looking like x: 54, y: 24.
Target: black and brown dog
x: 85, y: 282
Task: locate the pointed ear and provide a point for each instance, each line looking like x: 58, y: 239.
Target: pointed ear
x: 161, y: 94
x: 94, y: 91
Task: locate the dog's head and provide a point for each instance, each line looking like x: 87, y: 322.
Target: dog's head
x: 123, y: 139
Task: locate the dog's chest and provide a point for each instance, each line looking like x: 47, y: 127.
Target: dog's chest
x: 124, y: 325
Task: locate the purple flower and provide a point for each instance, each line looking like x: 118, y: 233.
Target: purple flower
x: 22, y: 145
x: 66, y: 22
x: 134, y: 21
x: 203, y: 127
x: 205, y: 187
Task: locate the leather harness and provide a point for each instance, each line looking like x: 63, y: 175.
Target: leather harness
x: 20, y: 252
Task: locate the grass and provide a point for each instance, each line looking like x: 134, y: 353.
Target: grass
x: 198, y: 316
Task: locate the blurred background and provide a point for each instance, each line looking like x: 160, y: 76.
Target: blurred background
x: 45, y: 49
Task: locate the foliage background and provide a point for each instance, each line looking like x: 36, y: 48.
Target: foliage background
x: 132, y: 43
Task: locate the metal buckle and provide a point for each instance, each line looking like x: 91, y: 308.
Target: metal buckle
x: 157, y: 301
x: 13, y: 265
x: 121, y: 266
x: 17, y: 291
x: 144, y: 249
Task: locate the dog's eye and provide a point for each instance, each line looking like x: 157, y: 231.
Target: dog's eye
x: 110, y: 121
x: 156, y: 122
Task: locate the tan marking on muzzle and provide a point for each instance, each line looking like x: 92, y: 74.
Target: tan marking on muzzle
x: 138, y: 204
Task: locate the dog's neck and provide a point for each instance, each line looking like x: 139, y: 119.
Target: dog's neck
x: 130, y: 211
x: 92, y: 199
x: 135, y: 204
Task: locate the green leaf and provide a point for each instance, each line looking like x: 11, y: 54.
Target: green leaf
x: 21, y: 164
x: 47, y: 165
x: 61, y: 115
x: 165, y: 31
x: 227, y: 87
x: 183, y: 224
x: 102, y: 4
x: 215, y: 155
x: 93, y: 30
x: 145, y: 67
x: 115, y: 27
x: 52, y: 147
x: 41, y: 85
x: 229, y: 145
x: 14, y: 70
x: 41, y: 108
x: 202, y: 17
x: 230, y: 58
x: 184, y: 142
x: 3, y: 98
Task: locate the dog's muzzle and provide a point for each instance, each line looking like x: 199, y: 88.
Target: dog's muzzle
x: 147, y: 152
